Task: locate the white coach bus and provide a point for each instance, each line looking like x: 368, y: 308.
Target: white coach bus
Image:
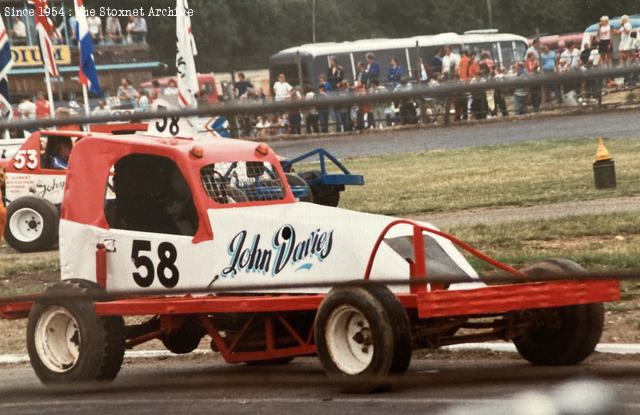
x: 310, y: 60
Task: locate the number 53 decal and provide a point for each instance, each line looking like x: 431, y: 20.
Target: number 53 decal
x: 25, y: 158
x: 166, y: 270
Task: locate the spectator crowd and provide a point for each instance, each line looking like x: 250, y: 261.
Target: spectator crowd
x: 110, y: 31
x: 446, y: 64
x: 449, y: 65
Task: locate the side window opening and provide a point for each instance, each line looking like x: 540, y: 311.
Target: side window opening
x: 55, y: 152
x: 151, y: 195
x: 242, y: 181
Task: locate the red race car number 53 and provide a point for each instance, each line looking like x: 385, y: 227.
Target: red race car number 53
x: 25, y: 158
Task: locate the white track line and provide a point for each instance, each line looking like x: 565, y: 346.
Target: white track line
x: 608, y: 348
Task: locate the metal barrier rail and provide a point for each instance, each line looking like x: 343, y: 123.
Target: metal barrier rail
x: 238, y: 108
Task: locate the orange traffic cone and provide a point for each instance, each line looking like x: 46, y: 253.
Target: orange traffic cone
x: 602, y: 153
x: 604, y: 168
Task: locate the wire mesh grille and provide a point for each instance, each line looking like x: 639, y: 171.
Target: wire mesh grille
x: 242, y: 181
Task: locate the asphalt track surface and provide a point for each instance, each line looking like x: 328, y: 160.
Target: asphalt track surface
x: 178, y: 386
x: 622, y: 124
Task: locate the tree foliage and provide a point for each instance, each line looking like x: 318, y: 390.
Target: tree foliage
x: 242, y: 34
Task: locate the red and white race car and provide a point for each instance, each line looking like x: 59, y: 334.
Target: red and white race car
x: 217, y: 219
x: 35, y: 180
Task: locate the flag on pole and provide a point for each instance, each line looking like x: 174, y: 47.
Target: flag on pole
x: 6, y: 62
x: 45, y: 31
x: 88, y: 74
x: 185, y: 64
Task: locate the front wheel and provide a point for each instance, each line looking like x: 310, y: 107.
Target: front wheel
x: 68, y: 342
x: 32, y: 224
x: 363, y: 337
x: 562, y: 335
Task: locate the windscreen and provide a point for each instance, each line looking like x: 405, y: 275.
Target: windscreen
x: 242, y: 181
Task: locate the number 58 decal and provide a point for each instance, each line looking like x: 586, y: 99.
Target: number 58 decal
x: 166, y: 270
x: 25, y: 158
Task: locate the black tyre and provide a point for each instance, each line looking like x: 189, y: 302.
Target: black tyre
x: 322, y: 195
x: 67, y: 342
x: 363, y: 337
x: 32, y: 224
x: 296, y: 181
x: 186, y: 338
x: 563, y: 335
x: 331, y: 197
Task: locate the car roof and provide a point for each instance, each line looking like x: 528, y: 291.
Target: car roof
x: 214, y: 149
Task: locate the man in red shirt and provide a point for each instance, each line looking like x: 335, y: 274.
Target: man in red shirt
x: 474, y: 68
x: 42, y: 106
x: 463, y: 69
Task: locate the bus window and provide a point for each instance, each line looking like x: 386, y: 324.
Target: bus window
x: 480, y: 48
x: 322, y: 63
x: 519, y: 51
x: 507, y: 54
x: 289, y: 70
x: 426, y: 53
x: 383, y: 58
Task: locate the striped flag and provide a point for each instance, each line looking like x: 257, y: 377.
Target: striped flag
x: 6, y: 62
x: 45, y: 31
x: 185, y: 64
x: 88, y: 73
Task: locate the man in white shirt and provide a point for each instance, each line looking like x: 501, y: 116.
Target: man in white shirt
x: 569, y: 58
x: 281, y: 88
x: 27, y: 109
x: 139, y: 30
x: 114, y: 30
x: 535, y: 49
x: 450, y: 62
x: 95, y: 28
x: 19, y: 31
x: 101, y: 109
x: 575, y: 57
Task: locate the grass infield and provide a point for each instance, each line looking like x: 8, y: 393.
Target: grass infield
x: 523, y: 174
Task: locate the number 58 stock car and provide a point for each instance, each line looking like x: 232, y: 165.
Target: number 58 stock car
x: 208, y: 237
x: 35, y: 179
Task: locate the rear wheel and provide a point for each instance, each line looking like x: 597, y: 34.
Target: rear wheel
x: 67, y: 342
x: 32, y: 224
x: 363, y: 336
x: 562, y: 335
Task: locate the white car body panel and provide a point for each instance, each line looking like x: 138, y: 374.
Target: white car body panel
x: 249, y: 247
x: 45, y: 186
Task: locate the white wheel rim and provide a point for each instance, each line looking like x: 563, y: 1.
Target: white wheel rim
x: 57, y: 339
x: 26, y: 225
x: 349, y: 340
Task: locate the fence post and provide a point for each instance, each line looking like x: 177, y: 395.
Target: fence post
x: 299, y: 64
x: 447, y: 110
